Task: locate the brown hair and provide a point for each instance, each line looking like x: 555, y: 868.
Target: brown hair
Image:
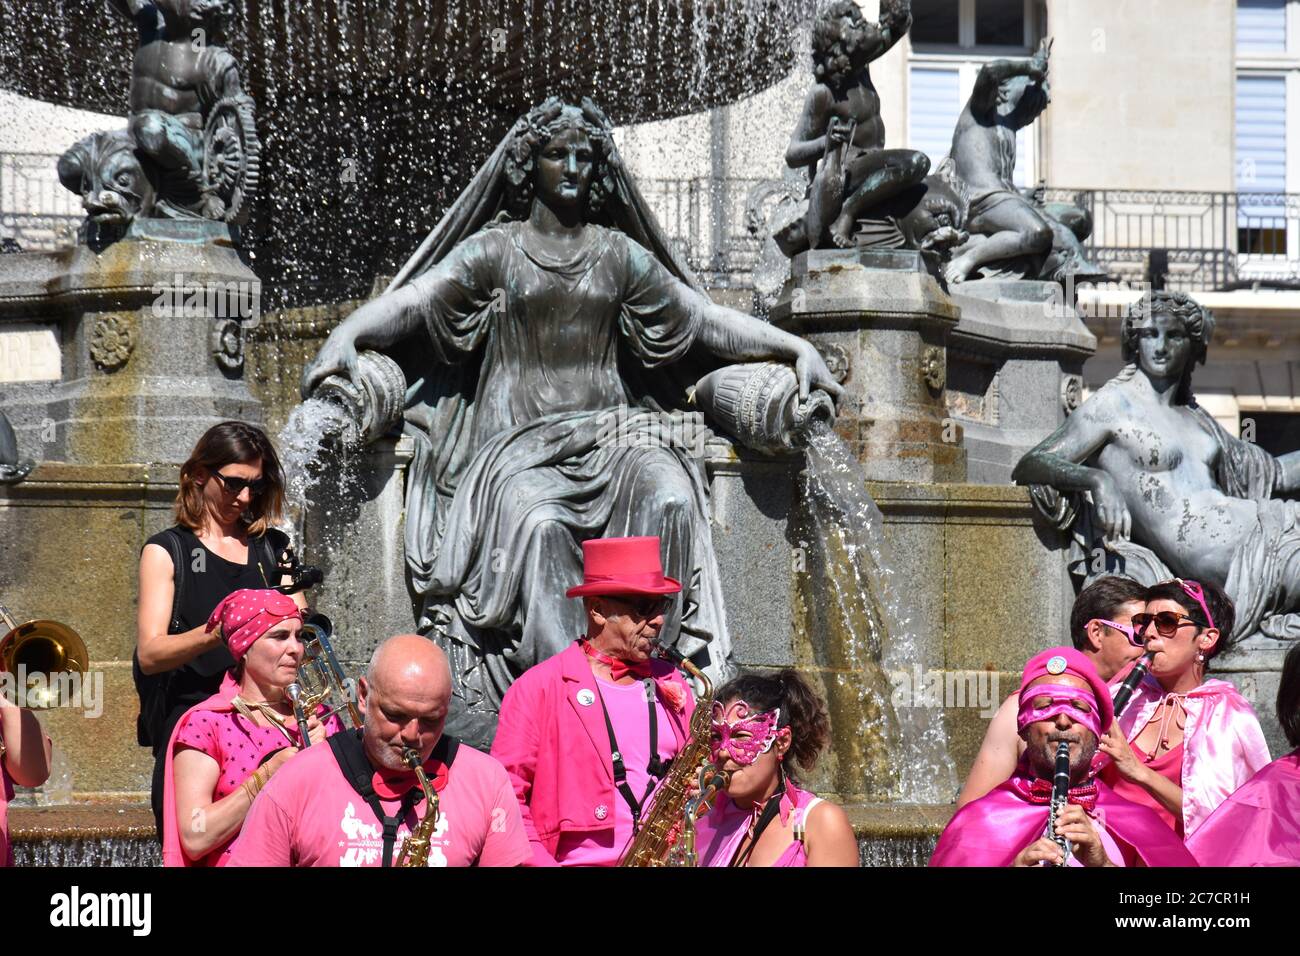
x: 1102, y: 598
x: 801, y: 710
x: 225, y: 444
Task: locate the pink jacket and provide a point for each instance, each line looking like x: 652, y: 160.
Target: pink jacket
x: 1223, y: 744
x: 556, y: 751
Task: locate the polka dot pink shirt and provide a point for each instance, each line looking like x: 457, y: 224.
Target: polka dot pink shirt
x: 238, y: 746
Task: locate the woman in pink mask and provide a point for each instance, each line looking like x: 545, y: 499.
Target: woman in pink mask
x: 1185, y: 741
x: 225, y: 749
x: 762, y: 728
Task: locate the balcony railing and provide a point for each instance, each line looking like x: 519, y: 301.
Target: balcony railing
x: 36, y: 212
x: 1192, y: 241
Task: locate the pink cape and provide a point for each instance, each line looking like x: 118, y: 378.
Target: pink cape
x: 992, y: 830
x: 1223, y: 744
x: 1259, y: 825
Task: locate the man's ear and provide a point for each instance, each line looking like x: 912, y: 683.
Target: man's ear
x: 363, y: 694
x: 1094, y: 631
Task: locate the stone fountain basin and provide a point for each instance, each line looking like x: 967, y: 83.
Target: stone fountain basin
x: 123, y: 834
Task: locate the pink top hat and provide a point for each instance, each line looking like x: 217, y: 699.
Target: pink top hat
x: 622, y: 566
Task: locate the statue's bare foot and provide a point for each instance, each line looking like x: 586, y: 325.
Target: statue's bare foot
x: 842, y: 230
x: 958, y: 269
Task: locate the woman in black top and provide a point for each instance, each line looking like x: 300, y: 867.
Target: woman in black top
x: 231, y: 492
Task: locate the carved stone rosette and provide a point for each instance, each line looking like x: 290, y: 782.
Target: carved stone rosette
x: 112, y: 339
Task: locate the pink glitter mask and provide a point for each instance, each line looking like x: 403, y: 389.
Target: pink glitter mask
x: 743, y: 750
x: 1062, y: 702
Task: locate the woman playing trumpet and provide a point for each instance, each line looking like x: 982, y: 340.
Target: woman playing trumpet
x: 762, y: 727
x: 224, y: 749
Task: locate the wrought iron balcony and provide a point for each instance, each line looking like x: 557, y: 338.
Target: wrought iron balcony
x: 1193, y: 241
x: 36, y: 212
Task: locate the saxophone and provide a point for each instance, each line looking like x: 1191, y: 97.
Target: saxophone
x: 415, y: 848
x: 667, y: 833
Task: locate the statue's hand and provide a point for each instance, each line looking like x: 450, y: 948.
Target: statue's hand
x: 810, y: 368
x: 1042, y: 55
x: 337, y: 356
x: 1112, y: 513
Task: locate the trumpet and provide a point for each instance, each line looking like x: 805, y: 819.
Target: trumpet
x: 39, y: 651
x: 321, y: 678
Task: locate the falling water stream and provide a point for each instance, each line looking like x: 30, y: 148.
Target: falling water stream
x: 860, y: 631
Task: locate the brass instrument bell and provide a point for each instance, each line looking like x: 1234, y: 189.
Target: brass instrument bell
x: 43, y: 647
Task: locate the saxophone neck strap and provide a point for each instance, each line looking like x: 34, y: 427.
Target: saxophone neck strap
x: 350, y: 754
x: 655, y: 768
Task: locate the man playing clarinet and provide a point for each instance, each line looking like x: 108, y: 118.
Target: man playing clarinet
x: 1062, y: 700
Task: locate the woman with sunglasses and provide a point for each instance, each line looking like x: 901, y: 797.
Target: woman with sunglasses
x: 1184, y: 742
x: 231, y: 492
x: 762, y: 728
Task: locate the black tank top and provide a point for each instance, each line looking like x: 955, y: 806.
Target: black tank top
x: 208, y: 578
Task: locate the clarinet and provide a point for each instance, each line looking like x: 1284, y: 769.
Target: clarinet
x: 1126, y: 689
x: 1060, y: 797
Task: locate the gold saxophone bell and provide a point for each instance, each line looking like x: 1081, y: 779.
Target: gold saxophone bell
x: 37, y: 652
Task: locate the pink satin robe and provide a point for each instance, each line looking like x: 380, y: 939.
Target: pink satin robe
x: 1223, y: 743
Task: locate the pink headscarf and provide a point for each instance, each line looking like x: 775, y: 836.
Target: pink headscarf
x: 1056, y: 661
x: 246, y: 615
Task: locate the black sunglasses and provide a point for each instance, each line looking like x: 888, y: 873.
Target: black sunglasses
x: 235, y: 485
x: 1167, y: 622
x: 646, y: 607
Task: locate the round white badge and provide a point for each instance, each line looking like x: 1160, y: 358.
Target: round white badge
x: 1056, y: 665
x: 586, y: 698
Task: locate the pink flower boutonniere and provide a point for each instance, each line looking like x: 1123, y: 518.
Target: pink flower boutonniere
x: 673, y: 692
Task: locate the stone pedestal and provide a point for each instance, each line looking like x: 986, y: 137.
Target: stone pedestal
x: 1014, y: 370
x: 880, y: 317
x: 150, y: 346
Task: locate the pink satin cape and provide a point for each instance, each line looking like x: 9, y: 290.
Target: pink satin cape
x: 1223, y: 743
x: 992, y: 830
x: 1259, y: 825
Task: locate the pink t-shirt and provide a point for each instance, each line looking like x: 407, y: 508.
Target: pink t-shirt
x: 238, y: 746
x: 626, y: 704
x: 309, y: 815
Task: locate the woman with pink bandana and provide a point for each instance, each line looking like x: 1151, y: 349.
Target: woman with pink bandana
x: 225, y: 749
x: 1185, y: 742
x: 762, y: 726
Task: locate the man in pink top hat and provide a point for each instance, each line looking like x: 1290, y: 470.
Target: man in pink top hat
x: 587, y: 734
x: 1062, y: 699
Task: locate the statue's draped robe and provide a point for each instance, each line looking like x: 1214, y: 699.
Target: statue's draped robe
x: 1264, y: 576
x: 539, y: 431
